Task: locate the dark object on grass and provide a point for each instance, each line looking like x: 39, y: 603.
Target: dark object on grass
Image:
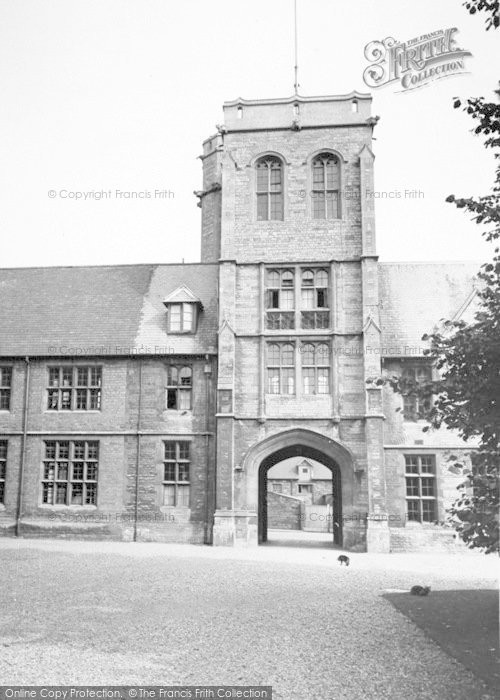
x: 420, y: 590
x: 343, y: 559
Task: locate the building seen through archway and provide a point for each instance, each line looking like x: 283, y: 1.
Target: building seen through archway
x: 301, y: 503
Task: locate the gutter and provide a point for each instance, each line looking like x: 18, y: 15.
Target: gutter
x: 208, y: 374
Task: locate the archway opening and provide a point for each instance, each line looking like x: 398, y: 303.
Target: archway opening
x: 300, y: 498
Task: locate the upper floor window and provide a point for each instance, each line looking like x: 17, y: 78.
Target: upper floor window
x: 74, y: 388
x: 280, y: 299
x: 420, y: 476
x: 314, y: 299
x: 315, y: 359
x: 269, y: 188
x: 416, y: 407
x: 5, y: 387
x: 325, y: 186
x: 280, y: 368
x: 176, y: 467
x: 181, y: 318
x: 179, y: 387
x: 69, y: 474
x: 3, y: 469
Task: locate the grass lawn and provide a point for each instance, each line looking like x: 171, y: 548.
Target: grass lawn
x: 463, y: 622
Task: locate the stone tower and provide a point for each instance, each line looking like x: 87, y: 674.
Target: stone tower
x: 288, y: 213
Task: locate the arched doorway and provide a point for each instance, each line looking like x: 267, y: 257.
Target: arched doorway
x: 250, y: 486
x: 334, y: 498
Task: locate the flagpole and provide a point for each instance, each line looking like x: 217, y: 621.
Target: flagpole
x: 296, y: 67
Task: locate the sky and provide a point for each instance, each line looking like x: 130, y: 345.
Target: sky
x: 102, y: 95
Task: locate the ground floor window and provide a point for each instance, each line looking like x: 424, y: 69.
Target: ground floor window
x: 176, y: 473
x: 3, y: 468
x: 69, y: 474
x: 420, y: 476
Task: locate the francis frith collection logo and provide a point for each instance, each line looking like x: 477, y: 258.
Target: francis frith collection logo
x: 416, y: 62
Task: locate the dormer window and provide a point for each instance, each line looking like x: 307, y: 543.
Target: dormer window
x: 182, y: 309
x: 181, y: 318
x: 304, y: 470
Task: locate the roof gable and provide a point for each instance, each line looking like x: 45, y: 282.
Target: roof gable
x: 181, y: 295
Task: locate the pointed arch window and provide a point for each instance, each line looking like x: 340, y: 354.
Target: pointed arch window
x: 269, y: 188
x: 325, y: 186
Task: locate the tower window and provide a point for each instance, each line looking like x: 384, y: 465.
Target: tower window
x: 325, y: 186
x: 280, y: 300
x: 314, y: 299
x: 315, y: 368
x: 280, y: 368
x: 269, y: 188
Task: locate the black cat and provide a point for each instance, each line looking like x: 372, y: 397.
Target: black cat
x: 343, y: 559
x: 420, y: 590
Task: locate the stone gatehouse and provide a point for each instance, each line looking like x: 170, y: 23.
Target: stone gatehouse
x: 149, y: 402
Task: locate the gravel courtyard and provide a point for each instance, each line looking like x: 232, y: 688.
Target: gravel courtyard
x: 124, y: 613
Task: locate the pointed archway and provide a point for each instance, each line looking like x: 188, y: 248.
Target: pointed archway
x: 299, y: 450
x: 307, y: 443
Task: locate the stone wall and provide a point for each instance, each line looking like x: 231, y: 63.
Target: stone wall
x: 283, y: 512
x: 129, y: 483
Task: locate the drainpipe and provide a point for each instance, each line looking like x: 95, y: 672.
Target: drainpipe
x: 208, y: 372
x: 23, y: 447
x: 138, y: 457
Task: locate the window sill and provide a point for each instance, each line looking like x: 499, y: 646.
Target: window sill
x: 301, y: 396
x: 69, y: 413
x: 298, y: 331
x: 60, y: 507
x: 273, y: 222
x: 181, y: 510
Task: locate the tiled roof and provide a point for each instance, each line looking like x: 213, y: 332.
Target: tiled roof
x: 287, y: 469
x: 119, y: 310
x: 109, y: 310
x: 416, y: 297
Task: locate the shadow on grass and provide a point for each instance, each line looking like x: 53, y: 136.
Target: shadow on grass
x: 464, y: 623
